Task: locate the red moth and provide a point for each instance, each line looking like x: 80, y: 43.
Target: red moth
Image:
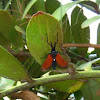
x: 53, y: 58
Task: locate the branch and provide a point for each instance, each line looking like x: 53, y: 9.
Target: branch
x: 81, y: 45
x: 51, y: 78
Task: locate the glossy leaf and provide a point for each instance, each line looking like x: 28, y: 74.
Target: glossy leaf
x: 44, y: 89
x: 98, y: 34
x: 5, y: 83
x: 28, y: 7
x: 19, y: 29
x: 61, y: 95
x: 33, y: 68
x: 66, y: 28
x: 61, y: 11
x: 91, y: 90
x: 4, y: 42
x: 78, y: 95
x: 40, y: 26
x: 90, y: 21
x: 39, y: 5
x: 98, y: 2
x: 7, y: 5
x: 51, y: 5
x: 80, y: 35
x: 87, y: 66
x: 1, y: 6
x: 11, y: 68
x: 91, y: 6
x: 7, y: 29
x: 98, y: 40
x: 68, y: 86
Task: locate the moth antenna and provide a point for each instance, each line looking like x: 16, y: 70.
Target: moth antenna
x: 51, y: 44
x: 57, y: 38
x: 48, y: 41
x: 56, y: 41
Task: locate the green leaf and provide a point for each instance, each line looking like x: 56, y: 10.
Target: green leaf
x: 87, y: 66
x: 30, y: 4
x: 19, y: 29
x: 44, y: 89
x: 66, y: 30
x: 51, y: 5
x: 39, y: 5
x: 98, y: 2
x: 91, y: 90
x: 7, y: 5
x: 90, y: 3
x: 1, y: 6
x: 90, y: 21
x: 68, y: 86
x: 98, y: 40
x: 35, y: 70
x: 80, y: 35
x: 40, y: 26
x: 91, y: 6
x: 4, y: 42
x: 57, y: 95
x: 78, y: 95
x: 61, y: 95
x: 11, y: 68
x: 5, y: 83
x: 33, y: 67
x: 98, y: 34
x: 7, y: 29
x: 61, y: 11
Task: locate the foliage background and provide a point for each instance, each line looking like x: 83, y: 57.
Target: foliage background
x: 23, y: 43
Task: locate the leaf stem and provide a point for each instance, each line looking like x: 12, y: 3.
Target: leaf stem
x: 51, y: 78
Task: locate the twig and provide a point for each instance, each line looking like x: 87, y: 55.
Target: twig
x: 81, y: 45
x: 52, y: 78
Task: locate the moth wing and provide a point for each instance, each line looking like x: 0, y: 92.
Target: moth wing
x: 48, y: 63
x: 60, y: 61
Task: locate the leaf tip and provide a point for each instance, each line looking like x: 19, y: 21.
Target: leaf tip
x: 38, y: 13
